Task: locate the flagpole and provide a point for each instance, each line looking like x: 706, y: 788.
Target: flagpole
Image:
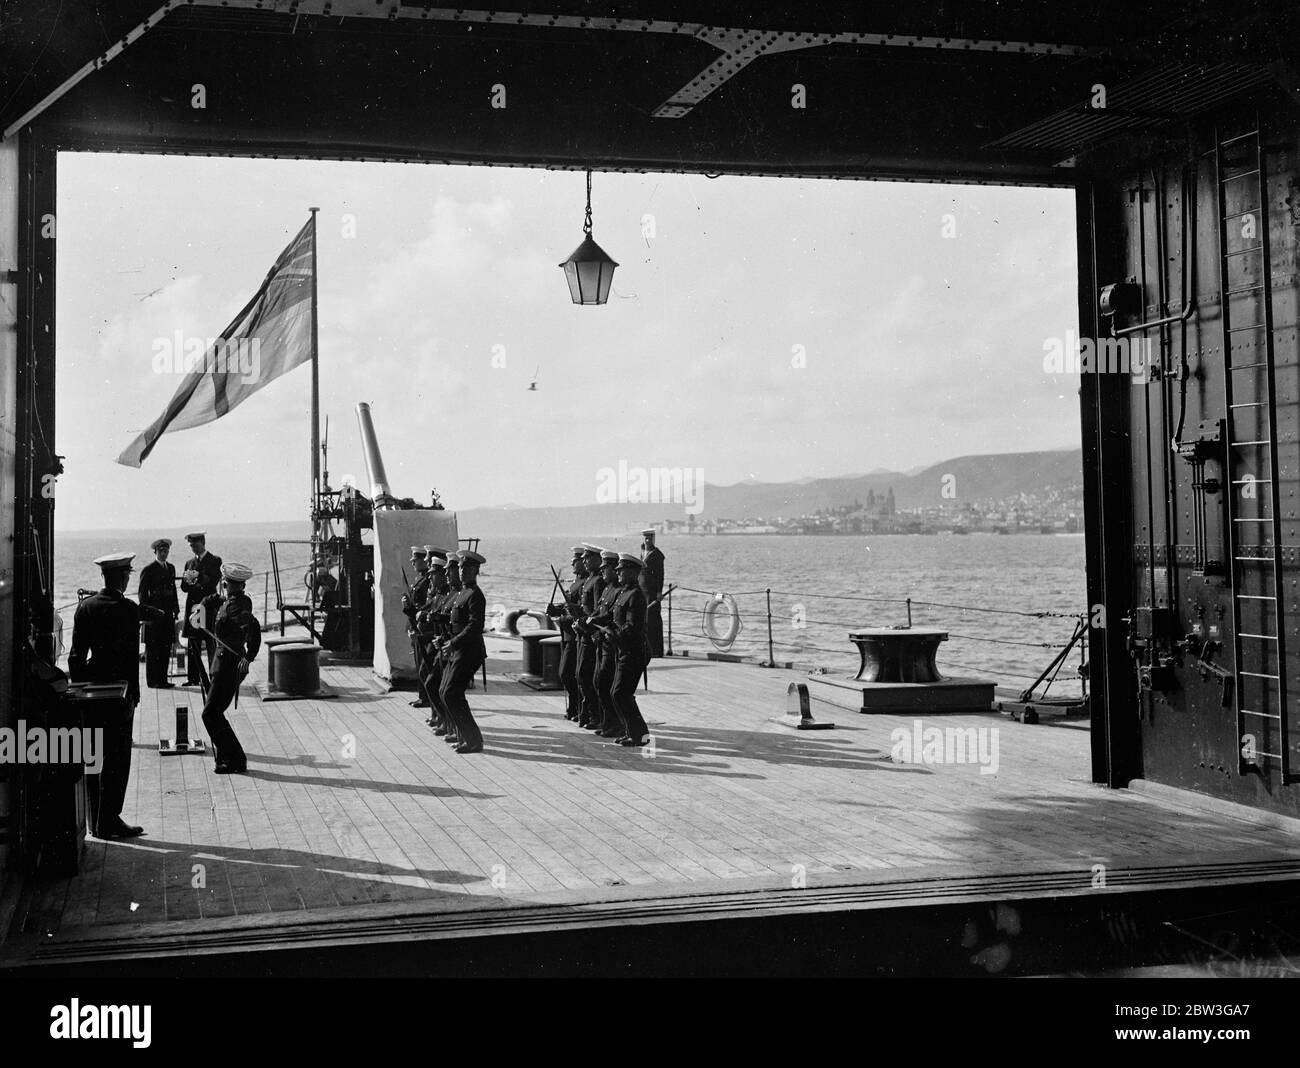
x: 315, y: 423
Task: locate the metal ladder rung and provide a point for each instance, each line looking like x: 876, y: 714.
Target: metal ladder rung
x: 1263, y: 441
x: 1254, y: 560
x: 1248, y: 366
x: 1239, y: 214
x: 1250, y: 404
x: 1262, y: 715
x: 1257, y: 675
x: 1239, y: 329
x: 1242, y: 174
x: 1261, y: 637
x: 1243, y: 289
x: 1255, y: 597
x: 1249, y: 481
x: 1243, y: 251
x: 1240, y: 137
x: 1255, y: 519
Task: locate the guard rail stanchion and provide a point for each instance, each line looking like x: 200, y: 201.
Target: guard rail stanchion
x: 670, y: 622
x: 771, y: 656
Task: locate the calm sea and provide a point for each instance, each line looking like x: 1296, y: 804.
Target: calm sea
x: 820, y: 588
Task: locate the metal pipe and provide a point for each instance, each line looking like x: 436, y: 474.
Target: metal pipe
x: 379, y: 492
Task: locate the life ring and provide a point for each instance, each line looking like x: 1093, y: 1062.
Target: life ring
x: 709, y: 622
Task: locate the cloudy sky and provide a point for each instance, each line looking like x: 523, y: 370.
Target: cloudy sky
x: 759, y: 328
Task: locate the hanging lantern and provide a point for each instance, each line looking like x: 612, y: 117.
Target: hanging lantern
x: 588, y: 270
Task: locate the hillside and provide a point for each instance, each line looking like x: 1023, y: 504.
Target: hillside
x: 975, y: 478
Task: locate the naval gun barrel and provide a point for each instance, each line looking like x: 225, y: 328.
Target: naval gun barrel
x: 379, y: 491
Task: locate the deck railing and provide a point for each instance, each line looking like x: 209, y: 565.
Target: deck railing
x: 803, y: 629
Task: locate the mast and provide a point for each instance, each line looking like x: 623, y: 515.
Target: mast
x: 315, y: 425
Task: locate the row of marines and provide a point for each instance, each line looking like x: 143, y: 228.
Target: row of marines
x: 604, y: 643
x: 446, y: 612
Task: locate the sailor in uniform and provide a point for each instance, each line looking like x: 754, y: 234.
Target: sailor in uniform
x: 200, y: 579
x: 412, y: 602
x: 237, y: 636
x: 652, y: 585
x: 610, y: 724
x: 592, y: 588
x: 568, y: 638
x: 157, y: 589
x: 630, y: 641
x: 430, y: 624
x: 106, y: 648
x: 466, y: 652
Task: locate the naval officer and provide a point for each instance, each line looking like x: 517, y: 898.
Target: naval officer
x: 105, y: 648
x: 237, y: 636
x: 465, y: 650
x: 157, y: 589
x: 652, y: 585
x: 632, y: 655
x: 200, y: 579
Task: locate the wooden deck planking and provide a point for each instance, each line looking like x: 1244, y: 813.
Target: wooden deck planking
x: 728, y: 793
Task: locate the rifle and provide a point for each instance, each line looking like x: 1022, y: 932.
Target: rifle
x: 551, y: 602
x: 666, y: 592
x: 568, y: 605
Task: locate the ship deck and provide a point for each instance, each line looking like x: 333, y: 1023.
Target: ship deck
x: 352, y: 808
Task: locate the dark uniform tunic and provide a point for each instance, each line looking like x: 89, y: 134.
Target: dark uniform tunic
x: 606, y: 661
x: 630, y: 662
x: 651, y: 582
x: 239, y: 637
x: 412, y: 603
x: 209, y: 569
x: 432, y: 624
x: 466, y: 654
x: 569, y: 649
x: 106, y: 648
x: 158, y: 590
x: 586, y: 670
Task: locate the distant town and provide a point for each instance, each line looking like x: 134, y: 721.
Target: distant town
x: 1053, y: 510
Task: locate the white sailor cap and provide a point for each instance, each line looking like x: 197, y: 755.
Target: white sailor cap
x: 609, y: 554
x: 453, y: 560
x: 628, y: 560
x: 592, y: 550
x: 159, y: 543
x: 579, y: 550
x: 236, y: 572
x: 418, y: 551
x: 468, y: 556
x: 648, y: 530
x: 114, y: 561
x: 195, y: 535
x: 435, y: 560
